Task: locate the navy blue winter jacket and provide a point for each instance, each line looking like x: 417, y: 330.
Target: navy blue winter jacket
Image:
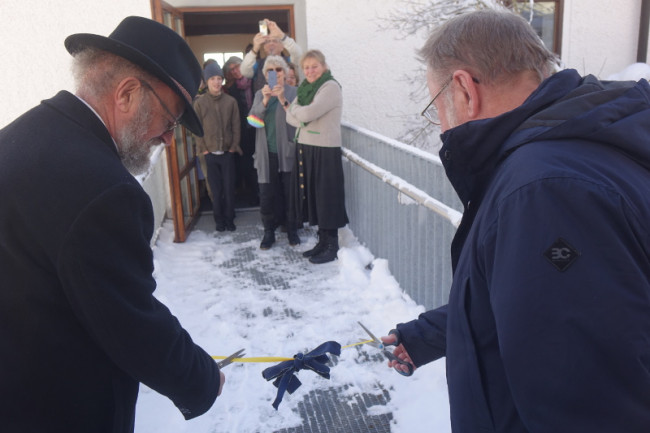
x: 547, y: 328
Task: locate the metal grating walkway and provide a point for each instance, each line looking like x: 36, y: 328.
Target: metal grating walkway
x: 329, y: 410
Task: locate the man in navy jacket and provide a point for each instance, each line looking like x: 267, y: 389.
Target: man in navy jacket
x: 79, y: 326
x: 547, y: 328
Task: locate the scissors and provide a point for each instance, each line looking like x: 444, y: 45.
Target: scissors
x: 387, y: 353
x: 228, y: 360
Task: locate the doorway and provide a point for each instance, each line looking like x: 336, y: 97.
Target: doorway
x: 211, y: 30
x: 220, y: 33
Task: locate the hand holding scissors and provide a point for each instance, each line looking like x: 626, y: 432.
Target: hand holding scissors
x: 403, y: 367
x: 226, y: 361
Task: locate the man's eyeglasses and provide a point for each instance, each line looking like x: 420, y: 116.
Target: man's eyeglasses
x: 278, y: 69
x: 171, y: 125
x: 431, y: 112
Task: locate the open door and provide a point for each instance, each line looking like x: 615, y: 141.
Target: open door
x: 181, y: 160
x: 206, y: 28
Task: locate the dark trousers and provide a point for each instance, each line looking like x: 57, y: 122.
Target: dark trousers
x: 221, y: 178
x: 274, y: 197
x: 246, y: 174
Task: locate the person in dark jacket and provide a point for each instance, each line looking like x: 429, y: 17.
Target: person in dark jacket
x: 79, y: 325
x: 241, y: 88
x: 547, y: 328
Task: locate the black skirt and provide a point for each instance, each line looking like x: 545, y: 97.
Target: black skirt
x: 319, y: 195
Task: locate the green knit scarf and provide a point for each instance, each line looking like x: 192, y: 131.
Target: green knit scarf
x: 307, y: 90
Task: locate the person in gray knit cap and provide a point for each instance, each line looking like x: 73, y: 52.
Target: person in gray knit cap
x: 219, y: 116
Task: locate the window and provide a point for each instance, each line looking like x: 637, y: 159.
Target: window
x: 546, y: 20
x: 221, y: 58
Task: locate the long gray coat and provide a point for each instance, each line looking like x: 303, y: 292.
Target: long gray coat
x: 284, y: 137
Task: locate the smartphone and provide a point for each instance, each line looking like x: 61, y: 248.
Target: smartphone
x: 264, y: 29
x: 273, y: 78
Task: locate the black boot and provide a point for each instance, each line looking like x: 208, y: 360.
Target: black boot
x: 320, y: 246
x: 268, y: 240
x: 269, y: 233
x: 293, y: 237
x: 330, y: 249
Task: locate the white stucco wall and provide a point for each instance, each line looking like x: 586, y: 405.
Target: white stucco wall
x: 600, y: 37
x: 368, y: 62
x: 36, y: 65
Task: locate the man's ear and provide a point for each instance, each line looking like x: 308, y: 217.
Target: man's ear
x: 126, y: 94
x: 468, y: 94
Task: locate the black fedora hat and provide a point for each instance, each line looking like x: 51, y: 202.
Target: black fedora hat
x: 155, y: 48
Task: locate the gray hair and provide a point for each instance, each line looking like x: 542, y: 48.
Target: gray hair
x: 489, y: 44
x: 272, y: 61
x: 96, y: 72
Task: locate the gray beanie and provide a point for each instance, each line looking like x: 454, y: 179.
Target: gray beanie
x: 211, y: 70
x: 234, y: 60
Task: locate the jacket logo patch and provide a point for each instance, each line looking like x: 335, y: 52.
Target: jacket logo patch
x: 561, y: 254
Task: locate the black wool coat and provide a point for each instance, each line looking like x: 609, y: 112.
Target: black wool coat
x: 79, y: 325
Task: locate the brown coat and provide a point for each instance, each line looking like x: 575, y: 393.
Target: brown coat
x: 220, y: 118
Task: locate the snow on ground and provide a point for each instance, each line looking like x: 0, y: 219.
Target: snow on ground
x: 224, y: 312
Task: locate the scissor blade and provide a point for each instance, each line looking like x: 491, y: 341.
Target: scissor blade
x: 228, y: 360
x: 374, y: 339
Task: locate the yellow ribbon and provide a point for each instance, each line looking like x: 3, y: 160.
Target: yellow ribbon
x: 278, y: 358
x: 256, y: 359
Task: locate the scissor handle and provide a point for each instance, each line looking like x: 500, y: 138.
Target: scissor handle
x: 408, y: 365
x: 398, y: 341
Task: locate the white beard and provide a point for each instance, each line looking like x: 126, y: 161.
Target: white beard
x: 133, y: 151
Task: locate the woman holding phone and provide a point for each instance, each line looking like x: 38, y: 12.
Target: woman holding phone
x: 316, y: 113
x: 274, y: 151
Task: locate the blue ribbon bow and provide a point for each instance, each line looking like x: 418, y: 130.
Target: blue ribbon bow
x: 283, y: 373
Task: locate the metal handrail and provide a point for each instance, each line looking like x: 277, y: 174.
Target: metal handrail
x: 419, y: 196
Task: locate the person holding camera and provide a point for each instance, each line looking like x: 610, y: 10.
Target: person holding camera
x: 270, y: 41
x: 275, y: 152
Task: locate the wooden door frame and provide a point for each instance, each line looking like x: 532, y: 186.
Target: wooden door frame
x: 291, y: 31
x: 177, y: 175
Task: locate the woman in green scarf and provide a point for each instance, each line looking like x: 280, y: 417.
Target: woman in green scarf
x: 316, y: 112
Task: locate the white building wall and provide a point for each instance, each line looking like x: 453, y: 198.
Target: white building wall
x: 36, y: 65
x: 370, y: 63
x: 600, y: 37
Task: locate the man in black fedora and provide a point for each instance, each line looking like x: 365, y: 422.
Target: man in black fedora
x: 79, y: 326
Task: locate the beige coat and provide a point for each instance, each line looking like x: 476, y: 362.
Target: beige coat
x: 319, y: 123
